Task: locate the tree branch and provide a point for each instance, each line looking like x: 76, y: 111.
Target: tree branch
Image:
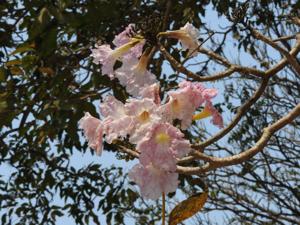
x: 244, y: 108
x: 284, y: 62
x: 292, y: 60
x: 231, y: 68
x: 285, y: 38
x: 240, y: 112
x: 215, y: 162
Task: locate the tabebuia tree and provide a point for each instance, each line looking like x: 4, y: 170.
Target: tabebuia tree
x: 192, y: 107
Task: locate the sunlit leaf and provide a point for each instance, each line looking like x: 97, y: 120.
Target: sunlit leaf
x: 187, y: 208
x: 14, y: 62
x: 3, y: 105
x: 137, y: 3
x: 22, y: 49
x: 14, y: 70
x: 44, y: 16
x: 46, y: 70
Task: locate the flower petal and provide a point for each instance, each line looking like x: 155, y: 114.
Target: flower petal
x: 153, y: 181
x: 93, y: 131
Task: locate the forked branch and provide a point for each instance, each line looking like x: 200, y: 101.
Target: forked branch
x: 215, y: 162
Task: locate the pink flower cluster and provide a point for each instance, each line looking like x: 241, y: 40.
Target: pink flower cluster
x: 145, y: 119
x: 133, y: 73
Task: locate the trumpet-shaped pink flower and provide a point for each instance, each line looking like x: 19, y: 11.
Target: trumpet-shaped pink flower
x: 179, y: 107
x: 162, y: 138
x: 188, y: 37
x: 101, y: 55
x: 93, y: 131
x: 153, y: 181
x: 143, y: 113
x: 184, y: 101
x: 216, y: 116
x: 142, y: 110
x: 116, y: 123
x: 156, y: 172
x: 126, y: 36
x: 107, y: 57
x: 134, y: 75
x: 210, y: 110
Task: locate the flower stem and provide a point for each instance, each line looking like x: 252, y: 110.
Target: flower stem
x: 163, y: 208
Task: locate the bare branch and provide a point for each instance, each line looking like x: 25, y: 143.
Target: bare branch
x: 284, y: 62
x: 285, y: 38
x: 240, y: 112
x: 214, y: 162
x: 232, y: 68
x: 292, y: 60
x: 295, y: 20
x: 244, y: 108
x: 166, y: 16
x: 215, y: 56
x: 130, y: 152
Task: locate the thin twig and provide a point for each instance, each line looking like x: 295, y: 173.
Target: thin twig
x: 233, y: 68
x: 292, y: 60
x: 285, y: 38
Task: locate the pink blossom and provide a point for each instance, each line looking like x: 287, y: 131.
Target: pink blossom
x: 93, y: 131
x: 159, y: 148
x: 189, y: 39
x: 188, y: 36
x: 143, y: 113
x: 178, y: 107
x: 107, y: 57
x: 216, y: 116
x: 116, y: 123
x: 134, y: 76
x: 152, y: 92
x: 153, y: 181
x: 102, y: 55
x: 126, y: 36
x: 210, y: 110
x: 184, y: 101
x: 163, y: 139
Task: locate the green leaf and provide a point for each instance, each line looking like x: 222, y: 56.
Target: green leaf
x: 3, y: 106
x: 49, y: 43
x: 44, y: 16
x: 56, y: 213
x: 2, y: 74
x: 22, y: 49
x: 46, y: 70
x: 3, y: 219
x: 13, y: 62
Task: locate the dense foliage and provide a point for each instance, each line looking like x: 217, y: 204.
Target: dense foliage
x: 48, y: 81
